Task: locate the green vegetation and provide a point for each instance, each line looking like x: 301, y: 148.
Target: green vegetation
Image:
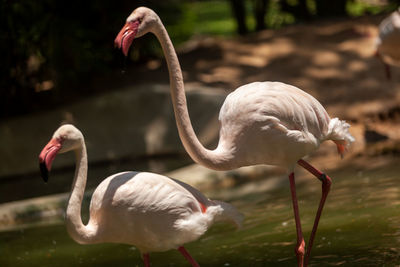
x: 358, y: 8
x: 212, y: 18
x: 55, y: 50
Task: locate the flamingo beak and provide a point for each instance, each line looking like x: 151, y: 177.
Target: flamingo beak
x: 47, y: 157
x: 125, y: 37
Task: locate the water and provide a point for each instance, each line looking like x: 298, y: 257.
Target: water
x: 360, y: 226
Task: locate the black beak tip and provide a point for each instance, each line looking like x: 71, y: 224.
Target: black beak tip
x: 44, y: 172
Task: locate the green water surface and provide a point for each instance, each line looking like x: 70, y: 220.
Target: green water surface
x: 360, y: 226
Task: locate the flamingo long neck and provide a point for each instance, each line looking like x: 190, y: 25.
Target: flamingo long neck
x: 83, y: 234
x: 214, y: 159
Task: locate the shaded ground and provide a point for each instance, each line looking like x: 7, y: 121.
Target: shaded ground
x: 333, y: 61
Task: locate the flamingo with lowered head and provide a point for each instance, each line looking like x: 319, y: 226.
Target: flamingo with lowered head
x: 388, y: 42
x: 150, y: 211
x: 261, y: 123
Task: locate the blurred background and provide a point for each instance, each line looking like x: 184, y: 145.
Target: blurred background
x: 59, y: 65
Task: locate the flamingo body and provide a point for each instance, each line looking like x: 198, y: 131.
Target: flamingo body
x: 271, y: 123
x: 157, y: 213
x: 388, y: 40
x: 150, y: 211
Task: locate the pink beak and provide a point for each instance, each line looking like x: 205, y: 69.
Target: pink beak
x: 125, y: 37
x: 47, y: 157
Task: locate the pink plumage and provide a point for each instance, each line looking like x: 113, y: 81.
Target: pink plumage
x: 388, y: 42
x: 261, y: 123
x: 150, y: 211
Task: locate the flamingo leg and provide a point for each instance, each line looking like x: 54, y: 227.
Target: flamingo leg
x: 146, y: 259
x: 186, y: 254
x: 386, y: 66
x: 326, y: 185
x: 300, y: 246
x: 387, y: 71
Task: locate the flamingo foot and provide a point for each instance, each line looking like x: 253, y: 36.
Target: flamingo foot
x: 300, y: 251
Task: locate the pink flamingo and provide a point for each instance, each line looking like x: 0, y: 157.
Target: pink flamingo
x: 388, y: 42
x: 261, y: 123
x: 147, y: 210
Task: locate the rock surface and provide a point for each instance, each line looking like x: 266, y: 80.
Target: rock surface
x: 133, y: 122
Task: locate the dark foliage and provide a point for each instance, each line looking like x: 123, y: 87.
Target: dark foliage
x: 61, y: 45
x: 54, y: 50
x: 239, y: 13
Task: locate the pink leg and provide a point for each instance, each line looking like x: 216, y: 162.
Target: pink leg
x: 186, y: 254
x: 299, y: 249
x: 326, y: 185
x: 386, y: 66
x: 146, y: 259
x: 387, y: 71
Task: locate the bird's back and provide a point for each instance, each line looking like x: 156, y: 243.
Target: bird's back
x: 146, y: 210
x: 388, y: 41
x: 272, y: 123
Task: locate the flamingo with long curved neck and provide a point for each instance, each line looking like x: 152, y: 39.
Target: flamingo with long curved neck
x: 261, y: 123
x: 388, y: 41
x: 150, y: 211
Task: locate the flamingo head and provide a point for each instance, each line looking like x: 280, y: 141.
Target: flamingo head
x: 66, y: 138
x: 141, y: 21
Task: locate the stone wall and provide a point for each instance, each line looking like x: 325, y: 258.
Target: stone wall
x: 129, y: 122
